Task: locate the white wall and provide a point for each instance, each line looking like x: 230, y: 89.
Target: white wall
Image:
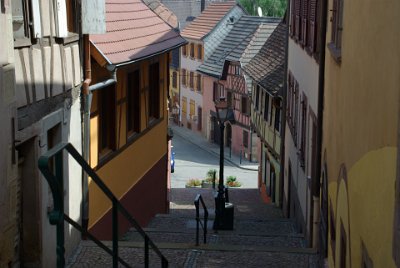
x: 304, y: 68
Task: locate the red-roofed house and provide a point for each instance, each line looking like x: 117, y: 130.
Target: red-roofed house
x: 129, y: 143
x: 204, y: 34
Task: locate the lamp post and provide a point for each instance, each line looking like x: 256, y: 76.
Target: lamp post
x: 224, y: 114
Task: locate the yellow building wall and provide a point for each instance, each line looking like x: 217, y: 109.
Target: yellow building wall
x: 132, y: 160
x: 361, y: 110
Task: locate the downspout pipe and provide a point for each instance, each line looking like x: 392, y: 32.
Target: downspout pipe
x: 316, y: 186
x: 86, y: 121
x: 87, y: 93
x: 283, y: 124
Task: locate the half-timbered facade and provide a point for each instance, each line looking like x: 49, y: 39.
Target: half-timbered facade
x: 266, y: 69
x: 239, y: 135
x: 42, y: 44
x: 204, y: 34
x: 223, y: 67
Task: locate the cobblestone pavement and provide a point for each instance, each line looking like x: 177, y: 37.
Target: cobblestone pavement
x: 261, y: 237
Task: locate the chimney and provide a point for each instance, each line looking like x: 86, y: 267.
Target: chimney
x: 202, y: 5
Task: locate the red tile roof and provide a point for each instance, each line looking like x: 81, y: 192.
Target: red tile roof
x: 207, y: 20
x: 134, y: 32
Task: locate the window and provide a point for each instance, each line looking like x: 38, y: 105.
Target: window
x: 21, y: 18
x: 174, y: 79
x: 199, y: 83
x: 184, y: 105
x: 154, y: 90
x: 266, y: 107
x: 184, y: 51
x: 336, y: 30
x: 229, y: 98
x: 184, y: 77
x: 191, y: 80
x: 199, y: 51
x: 257, y: 96
x: 244, y: 105
x: 221, y: 90
x: 106, y: 108
x: 215, y: 91
x: 245, y: 139
x: 303, y: 130
x: 304, y: 23
x: 192, y: 50
x: 296, y: 109
x: 312, y: 26
x: 278, y: 117
x: 71, y: 23
x: 133, y: 103
x: 192, y: 105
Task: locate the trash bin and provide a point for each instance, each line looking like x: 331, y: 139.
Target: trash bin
x: 228, y: 215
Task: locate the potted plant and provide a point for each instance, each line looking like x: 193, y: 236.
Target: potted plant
x: 193, y: 183
x: 232, y: 182
x: 210, y: 177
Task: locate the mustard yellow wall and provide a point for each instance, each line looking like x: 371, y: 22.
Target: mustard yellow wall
x: 132, y: 160
x: 361, y: 110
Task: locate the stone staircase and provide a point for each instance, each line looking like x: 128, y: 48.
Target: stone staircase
x: 261, y: 237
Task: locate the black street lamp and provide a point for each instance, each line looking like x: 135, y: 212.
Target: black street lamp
x: 224, y: 114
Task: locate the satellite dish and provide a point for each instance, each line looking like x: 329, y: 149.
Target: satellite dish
x: 259, y: 11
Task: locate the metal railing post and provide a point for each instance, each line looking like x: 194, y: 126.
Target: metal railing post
x: 115, y: 233
x: 146, y: 251
x: 59, y: 209
x: 53, y: 173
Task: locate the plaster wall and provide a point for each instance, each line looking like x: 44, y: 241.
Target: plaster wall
x: 361, y: 130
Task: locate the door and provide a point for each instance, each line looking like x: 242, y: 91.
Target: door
x: 199, y: 118
x: 30, y: 222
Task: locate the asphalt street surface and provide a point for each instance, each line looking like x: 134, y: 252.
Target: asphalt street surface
x: 193, y: 162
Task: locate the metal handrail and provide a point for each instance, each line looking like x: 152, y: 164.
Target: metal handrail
x: 197, y: 202
x: 57, y: 216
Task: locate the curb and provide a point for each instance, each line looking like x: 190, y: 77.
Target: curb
x: 212, y: 152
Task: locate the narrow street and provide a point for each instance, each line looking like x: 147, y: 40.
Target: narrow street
x: 195, y: 156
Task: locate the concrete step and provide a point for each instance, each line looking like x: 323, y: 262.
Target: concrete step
x: 187, y: 255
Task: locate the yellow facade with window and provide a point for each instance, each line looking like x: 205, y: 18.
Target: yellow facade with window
x: 361, y: 133
x: 119, y: 152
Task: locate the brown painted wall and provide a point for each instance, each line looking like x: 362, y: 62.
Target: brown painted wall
x: 143, y: 201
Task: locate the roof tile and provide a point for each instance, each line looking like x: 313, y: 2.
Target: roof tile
x: 134, y: 31
x: 207, y: 20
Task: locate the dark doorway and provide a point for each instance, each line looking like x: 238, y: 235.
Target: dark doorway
x: 273, y: 183
x: 199, y: 118
x: 30, y: 219
x: 217, y: 131
x: 289, y: 200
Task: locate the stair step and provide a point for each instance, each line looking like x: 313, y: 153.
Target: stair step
x: 186, y: 255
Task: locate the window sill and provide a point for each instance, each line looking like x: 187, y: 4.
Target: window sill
x: 71, y: 38
x: 336, y: 52
x: 22, y: 42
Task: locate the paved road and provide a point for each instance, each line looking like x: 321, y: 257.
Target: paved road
x: 193, y: 162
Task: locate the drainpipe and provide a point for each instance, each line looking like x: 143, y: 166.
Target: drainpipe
x: 86, y: 121
x: 321, y: 81
x: 283, y: 113
x: 87, y: 93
